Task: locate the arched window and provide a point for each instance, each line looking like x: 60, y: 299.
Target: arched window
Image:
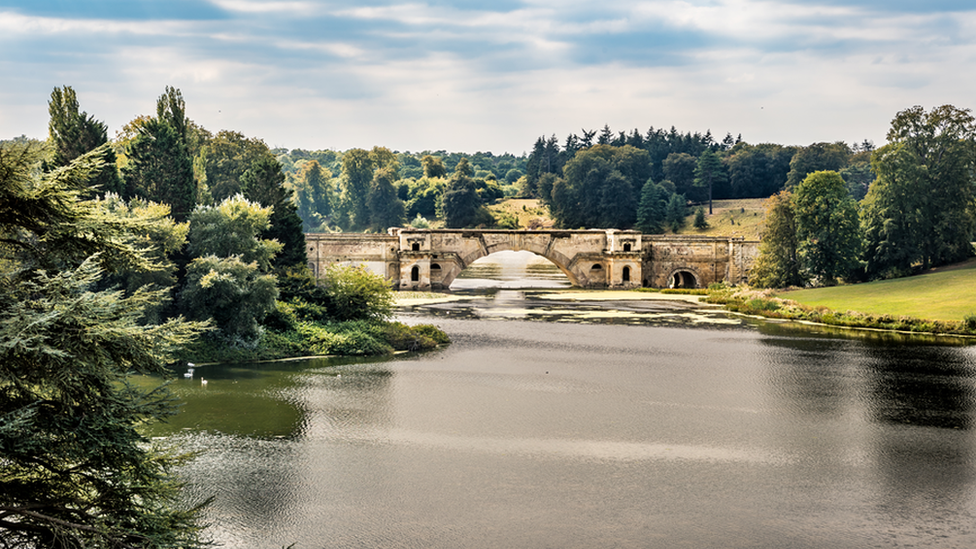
x: 627, y: 246
x: 415, y: 247
x: 415, y: 274
x: 435, y: 267
x: 626, y: 275
x: 596, y: 267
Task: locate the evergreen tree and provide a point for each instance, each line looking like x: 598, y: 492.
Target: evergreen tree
x: 264, y: 182
x: 709, y: 172
x: 73, y: 133
x: 651, y: 212
x: 675, y: 212
x: 700, y: 222
x: 314, y: 196
x: 159, y: 168
x: 76, y: 471
x: 460, y: 202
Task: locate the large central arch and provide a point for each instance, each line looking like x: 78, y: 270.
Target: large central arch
x: 510, y: 245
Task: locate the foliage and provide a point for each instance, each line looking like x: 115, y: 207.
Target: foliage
x: 315, y: 196
x: 73, y: 133
x: 700, y: 222
x: 76, y: 472
x: 233, y: 228
x: 778, y: 263
x: 652, y: 210
x: 225, y: 158
x: 827, y: 229
x: 357, y: 174
x: 159, y: 169
x: 356, y: 293
x: 709, y: 173
x: 235, y: 294
x: 675, y: 211
x: 385, y: 207
x: 460, y: 202
x: 920, y: 211
x: 757, y: 171
x: 814, y: 158
x: 263, y: 183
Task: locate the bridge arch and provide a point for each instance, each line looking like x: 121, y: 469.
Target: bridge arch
x: 554, y: 257
x: 684, y: 277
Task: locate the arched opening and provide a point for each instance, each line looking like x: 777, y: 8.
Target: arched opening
x: 314, y: 268
x: 435, y: 267
x: 415, y: 247
x: 683, y: 279
x: 507, y: 269
x: 626, y: 274
x: 415, y: 274
x: 596, y: 267
x: 627, y: 246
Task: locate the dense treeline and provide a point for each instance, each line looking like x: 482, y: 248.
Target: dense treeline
x: 117, y: 257
x: 682, y: 168
x: 373, y: 190
x: 920, y: 212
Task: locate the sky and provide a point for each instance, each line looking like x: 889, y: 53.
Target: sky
x: 477, y: 75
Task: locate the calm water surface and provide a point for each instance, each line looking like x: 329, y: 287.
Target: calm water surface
x: 654, y: 426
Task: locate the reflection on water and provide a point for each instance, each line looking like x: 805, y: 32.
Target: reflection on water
x: 561, y: 434
x: 511, y: 270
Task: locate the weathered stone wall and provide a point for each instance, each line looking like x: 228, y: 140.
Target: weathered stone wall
x: 415, y: 259
x: 696, y: 261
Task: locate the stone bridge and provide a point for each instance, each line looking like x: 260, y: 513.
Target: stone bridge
x: 422, y: 259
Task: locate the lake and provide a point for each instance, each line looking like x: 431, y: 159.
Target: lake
x: 550, y: 422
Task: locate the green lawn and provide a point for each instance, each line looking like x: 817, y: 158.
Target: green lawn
x: 945, y: 294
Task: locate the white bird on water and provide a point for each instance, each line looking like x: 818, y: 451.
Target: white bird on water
x: 189, y: 370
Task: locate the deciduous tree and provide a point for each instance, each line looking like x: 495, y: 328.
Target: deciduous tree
x: 778, y: 263
x: 827, y: 227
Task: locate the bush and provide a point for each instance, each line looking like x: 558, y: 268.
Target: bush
x: 357, y: 293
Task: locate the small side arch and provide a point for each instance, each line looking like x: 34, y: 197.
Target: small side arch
x: 684, y: 277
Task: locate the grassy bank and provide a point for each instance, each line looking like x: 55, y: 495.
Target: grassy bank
x: 945, y: 294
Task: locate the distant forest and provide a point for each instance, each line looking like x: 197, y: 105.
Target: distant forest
x: 592, y: 179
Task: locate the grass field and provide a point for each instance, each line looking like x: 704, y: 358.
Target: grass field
x: 944, y: 294
x: 730, y: 218
x: 526, y: 210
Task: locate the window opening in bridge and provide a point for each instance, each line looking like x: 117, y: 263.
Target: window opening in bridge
x: 415, y: 247
x: 626, y: 274
x: 415, y: 274
x: 627, y: 247
x: 435, y: 267
x: 312, y: 267
x: 596, y: 267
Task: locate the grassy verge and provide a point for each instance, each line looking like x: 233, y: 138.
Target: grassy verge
x: 308, y: 338
x: 742, y: 217
x: 945, y: 294
x: 764, y: 304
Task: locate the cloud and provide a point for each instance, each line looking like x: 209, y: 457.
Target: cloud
x: 491, y: 75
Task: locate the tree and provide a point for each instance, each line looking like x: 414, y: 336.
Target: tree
x: 778, y: 263
x: 357, y: 174
x: 232, y: 292
x: 651, y: 211
x: 433, y: 167
x: 159, y: 168
x: 233, y: 228
x: 385, y: 208
x: 265, y: 184
x: 675, y: 212
x: 679, y: 168
x: 171, y: 109
x: 700, y: 222
x: 460, y: 201
x: 919, y: 212
x: 826, y: 227
x: 816, y: 157
x: 73, y: 133
x: 709, y: 172
x: 617, y: 205
x: 315, y: 197
x: 76, y: 472
x: 225, y: 158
